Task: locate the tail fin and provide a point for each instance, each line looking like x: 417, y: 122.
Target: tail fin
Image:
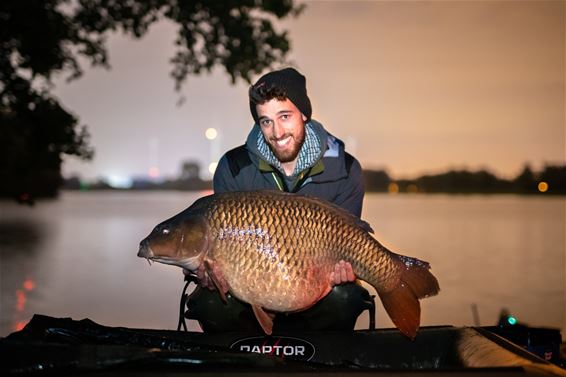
x: 402, y: 302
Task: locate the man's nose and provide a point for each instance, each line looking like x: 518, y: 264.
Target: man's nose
x: 278, y: 130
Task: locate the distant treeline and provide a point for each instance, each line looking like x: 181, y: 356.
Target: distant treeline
x: 551, y: 180
x: 180, y: 184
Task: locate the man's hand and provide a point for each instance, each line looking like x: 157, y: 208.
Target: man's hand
x: 343, y: 273
x: 204, y: 280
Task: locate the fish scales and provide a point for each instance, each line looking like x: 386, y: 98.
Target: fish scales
x: 277, y: 251
x: 298, y: 251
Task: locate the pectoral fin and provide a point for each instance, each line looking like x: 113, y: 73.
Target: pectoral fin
x: 217, y: 277
x: 265, y: 319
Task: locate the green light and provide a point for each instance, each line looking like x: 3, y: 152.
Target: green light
x: 511, y: 320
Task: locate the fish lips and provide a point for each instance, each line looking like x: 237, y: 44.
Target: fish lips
x: 145, y: 251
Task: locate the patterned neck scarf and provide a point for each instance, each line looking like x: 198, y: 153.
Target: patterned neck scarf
x: 308, y: 155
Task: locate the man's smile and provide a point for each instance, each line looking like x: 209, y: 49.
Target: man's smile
x: 283, y: 142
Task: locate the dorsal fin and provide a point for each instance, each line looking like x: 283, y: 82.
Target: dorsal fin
x: 365, y: 225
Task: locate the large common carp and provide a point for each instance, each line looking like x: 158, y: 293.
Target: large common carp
x: 277, y: 251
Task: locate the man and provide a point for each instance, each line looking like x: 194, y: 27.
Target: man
x: 289, y: 151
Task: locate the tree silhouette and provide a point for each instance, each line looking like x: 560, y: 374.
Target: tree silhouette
x: 555, y: 177
x: 41, y: 39
x: 376, y: 180
x: 525, y: 182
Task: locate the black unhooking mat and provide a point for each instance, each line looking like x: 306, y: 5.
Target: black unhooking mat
x: 53, y: 346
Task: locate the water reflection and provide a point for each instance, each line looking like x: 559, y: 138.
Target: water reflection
x: 20, y: 240
x: 21, y: 298
x: 19, y: 236
x: 76, y: 257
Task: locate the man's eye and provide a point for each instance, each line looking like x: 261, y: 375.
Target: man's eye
x: 265, y: 123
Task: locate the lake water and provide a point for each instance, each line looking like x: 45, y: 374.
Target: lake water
x: 76, y: 257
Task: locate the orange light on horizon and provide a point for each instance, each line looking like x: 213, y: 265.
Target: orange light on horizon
x: 20, y: 325
x: 543, y: 186
x: 393, y: 188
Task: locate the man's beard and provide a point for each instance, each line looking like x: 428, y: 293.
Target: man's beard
x: 290, y: 154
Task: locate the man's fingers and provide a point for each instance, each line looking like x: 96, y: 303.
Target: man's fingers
x: 350, y: 272
x: 202, y: 276
x: 343, y: 273
x: 209, y: 283
x: 201, y: 273
x: 336, y: 274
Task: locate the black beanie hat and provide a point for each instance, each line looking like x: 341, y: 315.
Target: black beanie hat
x: 290, y: 82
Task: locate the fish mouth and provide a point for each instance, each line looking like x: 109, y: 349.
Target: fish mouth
x: 190, y: 264
x: 145, y: 252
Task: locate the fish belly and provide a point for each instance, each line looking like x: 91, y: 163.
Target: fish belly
x: 275, y: 277
x: 282, y: 293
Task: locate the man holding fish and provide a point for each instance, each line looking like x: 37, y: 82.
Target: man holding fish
x: 287, y: 150
x: 279, y: 245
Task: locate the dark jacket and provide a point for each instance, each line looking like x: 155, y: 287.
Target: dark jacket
x: 336, y: 176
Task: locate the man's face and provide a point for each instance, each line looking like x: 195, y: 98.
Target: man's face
x: 283, y: 127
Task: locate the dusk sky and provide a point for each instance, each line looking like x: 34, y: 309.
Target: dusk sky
x: 411, y: 86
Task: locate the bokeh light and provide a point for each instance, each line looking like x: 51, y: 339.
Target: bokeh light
x: 543, y: 186
x: 393, y: 188
x: 153, y: 172
x: 211, y: 133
